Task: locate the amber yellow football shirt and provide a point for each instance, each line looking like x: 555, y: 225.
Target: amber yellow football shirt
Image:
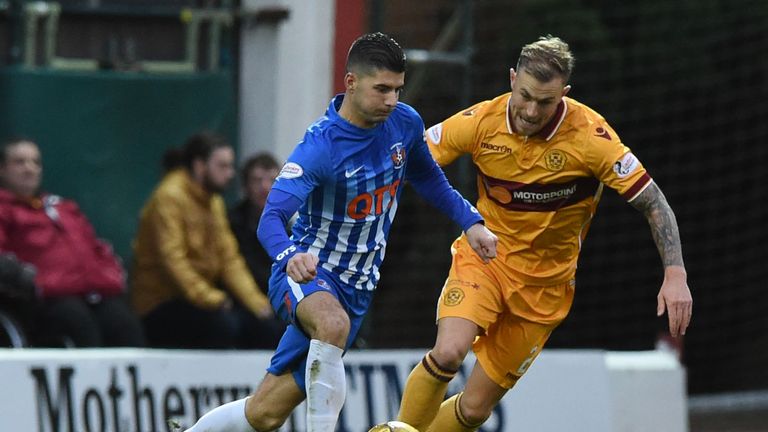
x: 539, y: 193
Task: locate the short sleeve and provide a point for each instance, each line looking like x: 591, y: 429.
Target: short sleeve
x: 454, y: 136
x: 614, y: 164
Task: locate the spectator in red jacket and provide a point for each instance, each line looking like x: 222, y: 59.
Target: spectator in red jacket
x: 79, y: 280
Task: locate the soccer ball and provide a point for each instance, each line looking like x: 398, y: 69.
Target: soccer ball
x: 393, y: 426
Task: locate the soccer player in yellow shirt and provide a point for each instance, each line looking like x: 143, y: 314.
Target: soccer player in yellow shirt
x: 542, y: 161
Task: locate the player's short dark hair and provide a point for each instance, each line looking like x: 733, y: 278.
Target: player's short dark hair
x: 375, y: 51
x: 260, y: 160
x: 547, y: 58
x: 200, y: 146
x: 10, y: 142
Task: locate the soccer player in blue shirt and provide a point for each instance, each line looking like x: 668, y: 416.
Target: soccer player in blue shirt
x: 345, y: 179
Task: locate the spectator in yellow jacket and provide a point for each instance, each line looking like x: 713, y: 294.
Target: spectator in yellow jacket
x: 190, y: 284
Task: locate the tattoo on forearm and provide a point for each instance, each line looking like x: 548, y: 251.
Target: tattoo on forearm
x: 652, y: 203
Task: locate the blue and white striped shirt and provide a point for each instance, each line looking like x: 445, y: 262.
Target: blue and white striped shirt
x: 348, y: 181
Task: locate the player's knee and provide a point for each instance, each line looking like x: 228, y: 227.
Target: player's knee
x: 263, y: 418
x: 266, y: 424
x: 333, y: 329
x: 449, y: 356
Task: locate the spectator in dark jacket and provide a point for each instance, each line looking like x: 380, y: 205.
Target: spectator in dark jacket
x: 256, y: 177
x: 79, y: 280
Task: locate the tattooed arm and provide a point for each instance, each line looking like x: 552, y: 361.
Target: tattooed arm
x: 652, y: 203
x: 674, y: 295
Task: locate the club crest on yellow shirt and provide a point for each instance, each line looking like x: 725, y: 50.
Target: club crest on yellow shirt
x: 453, y: 297
x: 555, y: 160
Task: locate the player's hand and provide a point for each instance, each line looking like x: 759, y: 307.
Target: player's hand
x: 675, y: 297
x: 302, y: 267
x: 483, y: 241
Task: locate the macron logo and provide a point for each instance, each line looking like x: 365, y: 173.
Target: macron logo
x: 349, y: 173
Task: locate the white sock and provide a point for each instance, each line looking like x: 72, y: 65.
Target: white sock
x: 326, y: 386
x: 226, y: 418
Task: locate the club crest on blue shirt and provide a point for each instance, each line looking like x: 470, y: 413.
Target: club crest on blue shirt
x: 398, y: 155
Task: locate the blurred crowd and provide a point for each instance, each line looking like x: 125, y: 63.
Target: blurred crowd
x: 197, y: 277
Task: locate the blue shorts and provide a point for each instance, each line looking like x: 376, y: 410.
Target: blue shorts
x: 285, y: 295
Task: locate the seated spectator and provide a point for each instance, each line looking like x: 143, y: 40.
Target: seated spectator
x: 190, y: 283
x: 257, y: 176
x: 79, y: 280
x: 17, y: 300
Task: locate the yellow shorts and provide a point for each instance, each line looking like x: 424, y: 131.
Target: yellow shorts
x: 517, y: 319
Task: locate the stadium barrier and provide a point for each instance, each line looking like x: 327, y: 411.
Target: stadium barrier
x: 126, y: 390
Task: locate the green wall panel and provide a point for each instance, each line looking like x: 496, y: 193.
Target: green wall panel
x: 102, y: 134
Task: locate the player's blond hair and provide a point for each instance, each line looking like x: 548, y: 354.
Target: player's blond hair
x: 547, y: 58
